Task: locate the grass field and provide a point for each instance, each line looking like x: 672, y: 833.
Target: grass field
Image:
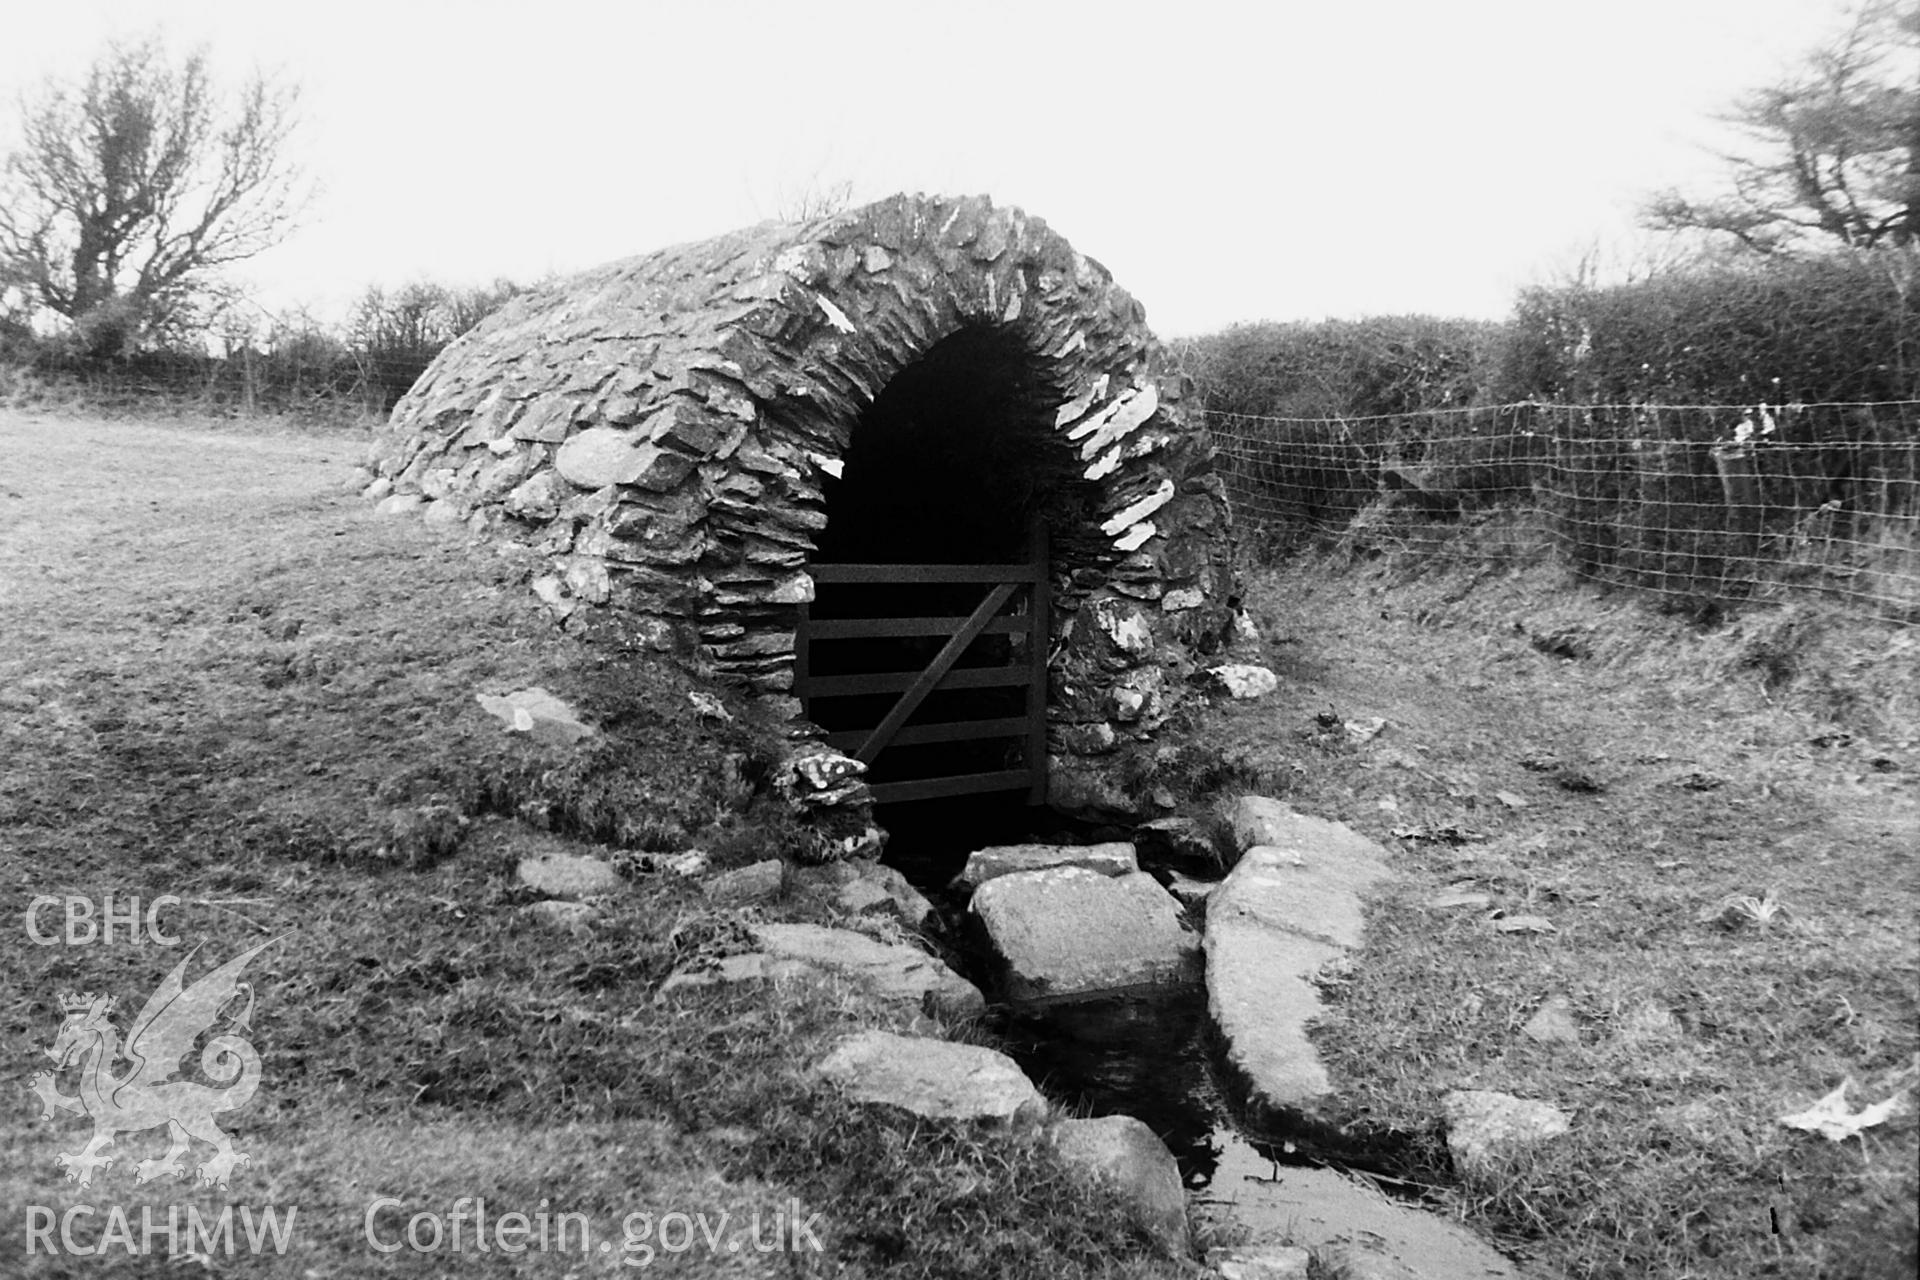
x: 225, y: 681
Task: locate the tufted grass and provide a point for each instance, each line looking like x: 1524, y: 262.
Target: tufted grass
x: 1657, y: 777
x: 223, y: 680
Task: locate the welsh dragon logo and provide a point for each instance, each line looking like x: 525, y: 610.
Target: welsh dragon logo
x: 147, y: 1094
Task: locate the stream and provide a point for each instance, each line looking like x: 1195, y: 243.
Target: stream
x: 1153, y: 1054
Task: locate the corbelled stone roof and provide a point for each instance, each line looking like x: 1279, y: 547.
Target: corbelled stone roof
x: 663, y: 430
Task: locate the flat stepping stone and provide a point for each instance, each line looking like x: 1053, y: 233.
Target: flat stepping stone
x: 1315, y: 895
x: 889, y: 969
x: 1069, y: 931
x: 1291, y: 906
x: 1259, y: 820
x: 934, y: 1079
x: 1356, y: 1231
x: 568, y: 875
x: 1261, y: 996
x: 1113, y: 859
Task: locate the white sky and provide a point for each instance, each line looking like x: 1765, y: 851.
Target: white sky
x: 1227, y: 161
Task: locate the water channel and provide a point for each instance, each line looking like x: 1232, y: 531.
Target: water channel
x: 1153, y: 1054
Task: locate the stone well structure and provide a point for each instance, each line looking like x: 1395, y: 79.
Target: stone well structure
x: 679, y: 435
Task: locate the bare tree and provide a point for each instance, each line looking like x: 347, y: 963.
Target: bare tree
x: 396, y: 335
x: 816, y: 198
x: 133, y: 188
x: 1834, y: 150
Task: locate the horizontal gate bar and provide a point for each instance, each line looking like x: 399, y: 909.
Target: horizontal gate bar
x: 964, y: 785
x: 862, y: 628
x: 954, y: 731
x: 929, y: 680
x: 900, y: 681
x: 899, y: 574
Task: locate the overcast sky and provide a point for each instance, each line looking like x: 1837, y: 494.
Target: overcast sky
x: 1227, y: 161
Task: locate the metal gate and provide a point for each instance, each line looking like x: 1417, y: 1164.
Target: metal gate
x: 865, y: 636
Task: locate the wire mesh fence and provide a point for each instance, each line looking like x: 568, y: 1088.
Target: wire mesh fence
x: 1705, y: 503
x: 314, y: 380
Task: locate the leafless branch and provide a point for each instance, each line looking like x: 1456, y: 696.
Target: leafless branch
x: 133, y: 188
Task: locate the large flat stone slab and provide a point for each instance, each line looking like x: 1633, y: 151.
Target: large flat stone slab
x: 1259, y: 820
x: 1261, y: 996
x: 1113, y: 859
x: 936, y: 1079
x: 892, y: 970
x: 1292, y: 905
x: 1313, y: 895
x: 1068, y: 931
x: 1357, y: 1232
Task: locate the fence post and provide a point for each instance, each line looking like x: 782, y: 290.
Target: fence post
x: 1740, y: 484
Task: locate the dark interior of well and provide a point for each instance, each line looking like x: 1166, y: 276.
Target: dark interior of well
x: 955, y: 462
x: 950, y: 460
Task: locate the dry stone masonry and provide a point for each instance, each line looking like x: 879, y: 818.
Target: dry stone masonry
x: 668, y: 433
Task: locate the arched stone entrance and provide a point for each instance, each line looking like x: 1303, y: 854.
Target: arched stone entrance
x: 952, y: 459
x: 681, y: 435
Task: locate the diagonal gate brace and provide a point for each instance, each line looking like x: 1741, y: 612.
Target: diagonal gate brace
x: 936, y: 671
